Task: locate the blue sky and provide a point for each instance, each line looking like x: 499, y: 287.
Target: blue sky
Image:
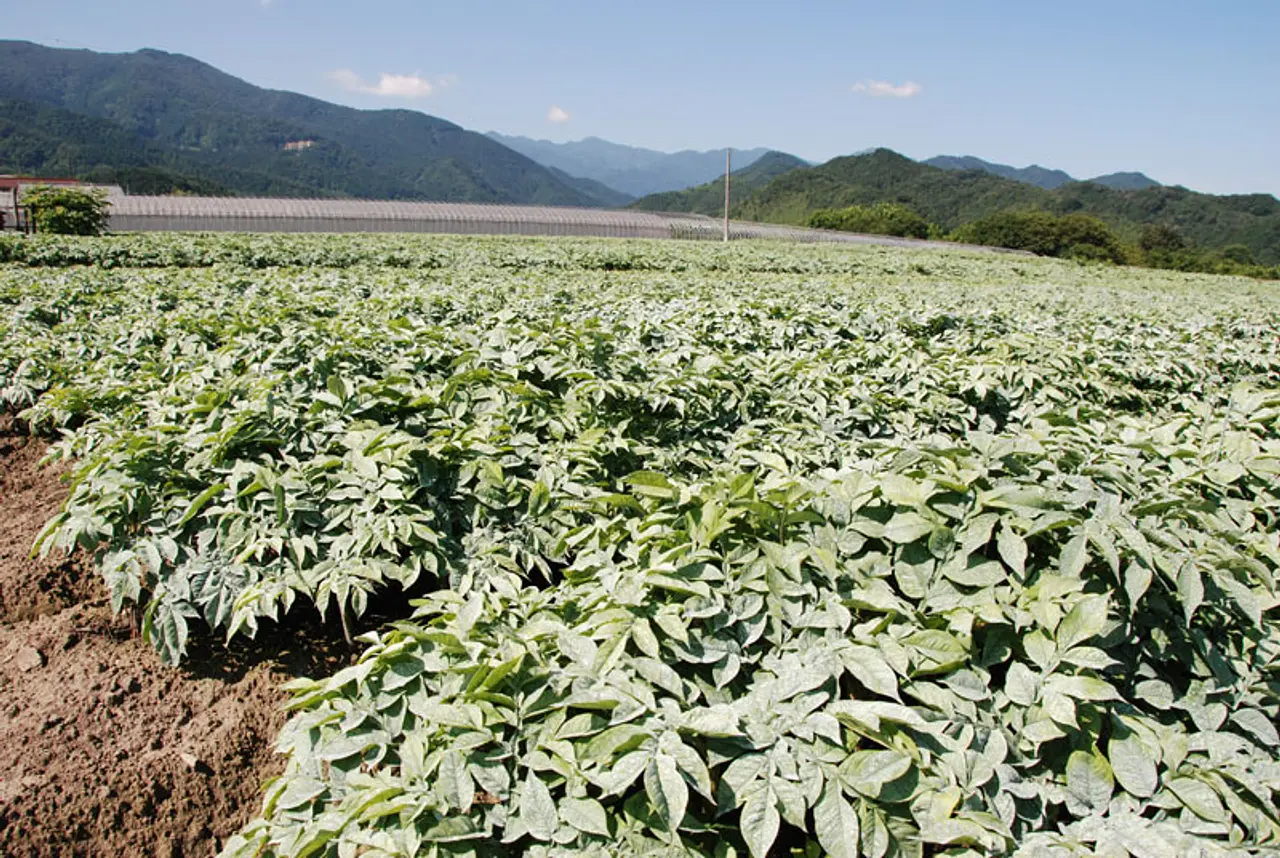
x: 1188, y: 92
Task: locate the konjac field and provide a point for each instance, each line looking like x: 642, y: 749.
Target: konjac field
x: 668, y: 548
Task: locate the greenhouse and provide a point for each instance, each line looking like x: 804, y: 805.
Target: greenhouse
x: 257, y: 214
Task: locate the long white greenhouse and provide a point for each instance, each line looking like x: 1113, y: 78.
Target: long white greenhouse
x: 259, y: 214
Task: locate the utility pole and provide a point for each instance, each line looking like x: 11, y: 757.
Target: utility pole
x: 728, y: 155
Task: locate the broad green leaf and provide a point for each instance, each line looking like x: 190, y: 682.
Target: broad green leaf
x: 976, y: 574
x: 759, y: 823
x: 651, y: 484
x: 869, y: 713
x: 1198, y: 797
x: 835, y: 823
x: 537, y: 809
x: 1075, y: 554
x: 875, y: 832
x: 199, y: 502
x: 1041, y: 649
x: 904, y: 491
x: 1021, y: 684
x: 1133, y: 765
x: 585, y: 814
x: 623, y: 773
x: 1013, y: 550
x: 868, y: 771
x: 1257, y: 725
x: 1090, y: 779
x: 455, y: 781
x: 870, y: 668
x: 1137, y: 580
x: 937, y: 651
x: 743, y: 772
x: 1190, y: 590
x: 1085, y: 620
x: 906, y: 527
x: 1140, y: 838
x: 718, y: 721
x: 667, y: 790
x: 1081, y: 688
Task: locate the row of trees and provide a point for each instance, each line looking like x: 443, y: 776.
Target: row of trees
x: 1071, y: 236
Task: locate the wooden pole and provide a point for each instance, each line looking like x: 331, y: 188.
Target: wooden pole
x: 728, y: 155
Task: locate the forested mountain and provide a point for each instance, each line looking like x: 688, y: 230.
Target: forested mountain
x: 601, y: 193
x: 952, y: 198
x: 1126, y: 181
x: 629, y: 169
x: 708, y: 199
x: 183, y: 113
x: 1041, y: 177
x: 38, y: 140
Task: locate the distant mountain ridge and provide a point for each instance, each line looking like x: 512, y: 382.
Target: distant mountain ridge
x: 1125, y: 181
x: 182, y: 113
x: 951, y: 198
x: 708, y: 198
x: 630, y: 169
x: 1041, y: 177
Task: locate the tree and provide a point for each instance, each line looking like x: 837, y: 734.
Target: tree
x: 881, y: 219
x: 1161, y: 238
x: 1082, y: 236
x: 1073, y: 236
x: 1238, y: 254
x: 68, y: 211
x: 1036, y: 232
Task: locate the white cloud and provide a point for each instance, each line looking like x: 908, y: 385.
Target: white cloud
x: 558, y: 115
x: 389, y: 85
x: 885, y: 89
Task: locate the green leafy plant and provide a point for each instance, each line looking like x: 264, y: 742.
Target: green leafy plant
x: 958, y: 554
x: 68, y: 211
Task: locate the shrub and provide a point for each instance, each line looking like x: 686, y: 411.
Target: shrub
x: 1238, y: 254
x: 68, y: 211
x: 893, y: 219
x: 1086, y: 237
x: 1161, y: 238
x: 1035, y: 232
x: 1073, y: 236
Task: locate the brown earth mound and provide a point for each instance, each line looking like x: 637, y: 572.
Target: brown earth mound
x: 103, y: 750
x: 29, y: 496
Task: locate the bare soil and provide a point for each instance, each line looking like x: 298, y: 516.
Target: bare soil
x: 103, y: 750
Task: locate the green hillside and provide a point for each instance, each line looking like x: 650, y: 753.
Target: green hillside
x: 1041, y: 177
x: 950, y: 199
x: 1126, y: 181
x: 38, y: 140
x: 600, y: 193
x: 708, y: 199
x: 179, y: 109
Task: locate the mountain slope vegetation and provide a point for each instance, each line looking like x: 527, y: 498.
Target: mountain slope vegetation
x: 708, y: 199
x: 951, y: 199
x: 180, y: 109
x: 1041, y: 177
x: 38, y: 140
